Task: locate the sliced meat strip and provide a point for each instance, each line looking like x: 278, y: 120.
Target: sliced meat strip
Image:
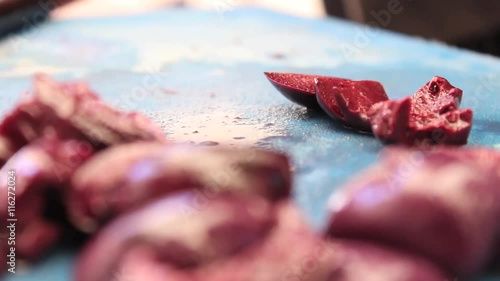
x: 349, y: 101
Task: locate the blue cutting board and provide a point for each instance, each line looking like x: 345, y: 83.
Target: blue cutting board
x: 199, y: 75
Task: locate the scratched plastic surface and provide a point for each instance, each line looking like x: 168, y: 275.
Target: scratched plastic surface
x: 199, y: 74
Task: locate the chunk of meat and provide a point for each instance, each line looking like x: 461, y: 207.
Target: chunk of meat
x: 291, y: 251
x: 435, y: 97
x: 30, y: 120
x: 327, y: 99
x: 123, y: 177
x: 141, y: 264
x: 369, y: 262
x: 430, y: 116
x: 271, y: 259
x: 391, y: 121
x: 442, y: 204
x: 315, y: 259
x: 3, y: 258
x: 299, y: 88
x: 6, y: 150
x: 71, y: 111
x: 29, y: 179
x: 349, y: 101
x: 97, y: 120
x: 179, y: 232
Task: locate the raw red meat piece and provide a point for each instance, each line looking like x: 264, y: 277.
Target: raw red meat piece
x: 349, y: 100
x: 142, y: 171
x: 179, y: 234
x: 326, y: 99
x: 71, y: 111
x: 284, y: 254
x: 41, y: 170
x: 30, y: 120
x: 430, y: 116
x: 35, y: 238
x: 291, y: 251
x: 3, y: 257
x: 94, y: 118
x: 141, y: 264
x: 6, y: 150
x: 370, y: 262
x: 299, y: 88
x: 314, y: 259
x: 442, y: 204
x: 390, y: 120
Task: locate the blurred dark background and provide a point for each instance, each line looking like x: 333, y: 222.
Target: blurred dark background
x: 465, y: 23
x: 470, y: 24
